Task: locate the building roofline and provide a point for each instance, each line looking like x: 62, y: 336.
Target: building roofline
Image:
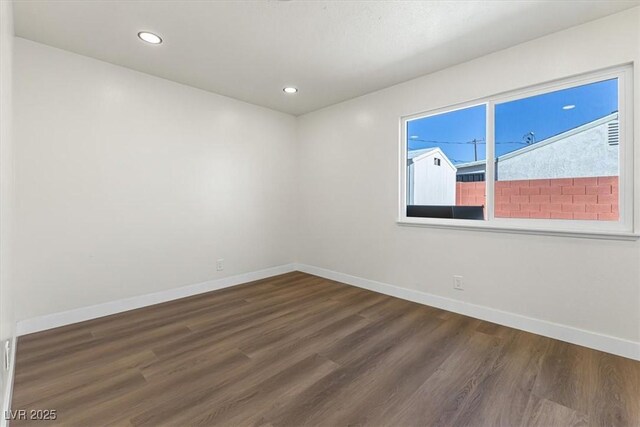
x: 550, y: 140
x: 432, y: 151
x: 469, y: 164
x: 563, y: 135
x: 420, y: 152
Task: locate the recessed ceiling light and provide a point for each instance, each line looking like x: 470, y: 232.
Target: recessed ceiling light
x: 149, y: 37
x: 569, y: 107
x: 413, y: 137
x: 290, y: 89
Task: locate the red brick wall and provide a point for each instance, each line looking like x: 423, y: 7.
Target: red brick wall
x: 470, y: 193
x: 566, y: 198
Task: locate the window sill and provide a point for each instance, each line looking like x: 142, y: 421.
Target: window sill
x: 484, y: 226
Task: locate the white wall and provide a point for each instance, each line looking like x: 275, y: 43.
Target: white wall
x: 348, y: 209
x: 7, y: 319
x: 129, y: 184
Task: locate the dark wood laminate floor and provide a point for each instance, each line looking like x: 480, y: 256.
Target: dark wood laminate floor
x: 299, y: 350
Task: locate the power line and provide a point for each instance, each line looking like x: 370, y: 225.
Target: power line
x: 442, y: 142
x: 477, y: 141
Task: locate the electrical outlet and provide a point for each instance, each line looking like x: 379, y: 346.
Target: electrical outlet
x: 7, y: 355
x: 457, y: 283
x: 220, y: 265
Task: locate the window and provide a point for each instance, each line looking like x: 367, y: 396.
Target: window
x: 561, y: 160
x: 565, y: 166
x: 451, y: 139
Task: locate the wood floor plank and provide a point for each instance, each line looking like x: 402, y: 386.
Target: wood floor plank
x: 51, y: 387
x: 99, y: 352
x: 545, y: 413
x: 240, y: 408
x: 177, y: 316
x: 53, y: 344
x: 617, y: 394
x: 502, y: 396
x: 297, y: 349
x: 282, y: 305
x: 332, y: 396
x: 240, y: 329
x: 438, y: 399
x: 268, y: 364
x: 568, y: 376
x: 165, y: 393
x: 268, y: 342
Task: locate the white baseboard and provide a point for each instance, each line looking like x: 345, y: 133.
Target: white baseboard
x: 8, y: 387
x: 594, y: 340
x: 55, y: 320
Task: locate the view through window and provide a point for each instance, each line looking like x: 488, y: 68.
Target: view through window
x: 555, y: 156
x: 436, y: 145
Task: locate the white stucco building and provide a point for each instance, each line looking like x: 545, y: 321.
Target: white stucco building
x: 585, y: 151
x: 431, y: 178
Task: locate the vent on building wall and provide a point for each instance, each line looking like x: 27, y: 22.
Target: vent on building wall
x: 436, y: 161
x: 613, y: 136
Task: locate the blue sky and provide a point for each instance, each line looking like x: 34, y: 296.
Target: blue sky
x: 543, y: 115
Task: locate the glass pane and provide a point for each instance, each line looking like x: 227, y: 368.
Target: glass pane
x: 437, y: 146
x: 557, y: 154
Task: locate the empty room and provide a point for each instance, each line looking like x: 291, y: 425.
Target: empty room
x: 320, y: 213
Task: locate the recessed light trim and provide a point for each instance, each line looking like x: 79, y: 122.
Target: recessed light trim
x: 149, y: 37
x: 569, y: 107
x: 290, y: 89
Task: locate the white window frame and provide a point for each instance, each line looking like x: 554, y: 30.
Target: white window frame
x: 625, y: 228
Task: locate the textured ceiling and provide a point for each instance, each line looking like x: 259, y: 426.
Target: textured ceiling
x: 330, y: 50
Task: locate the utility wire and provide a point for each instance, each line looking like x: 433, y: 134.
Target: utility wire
x: 478, y: 141
x: 475, y: 142
x: 442, y: 142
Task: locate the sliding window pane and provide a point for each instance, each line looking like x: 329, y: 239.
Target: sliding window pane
x: 446, y: 156
x: 557, y: 154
